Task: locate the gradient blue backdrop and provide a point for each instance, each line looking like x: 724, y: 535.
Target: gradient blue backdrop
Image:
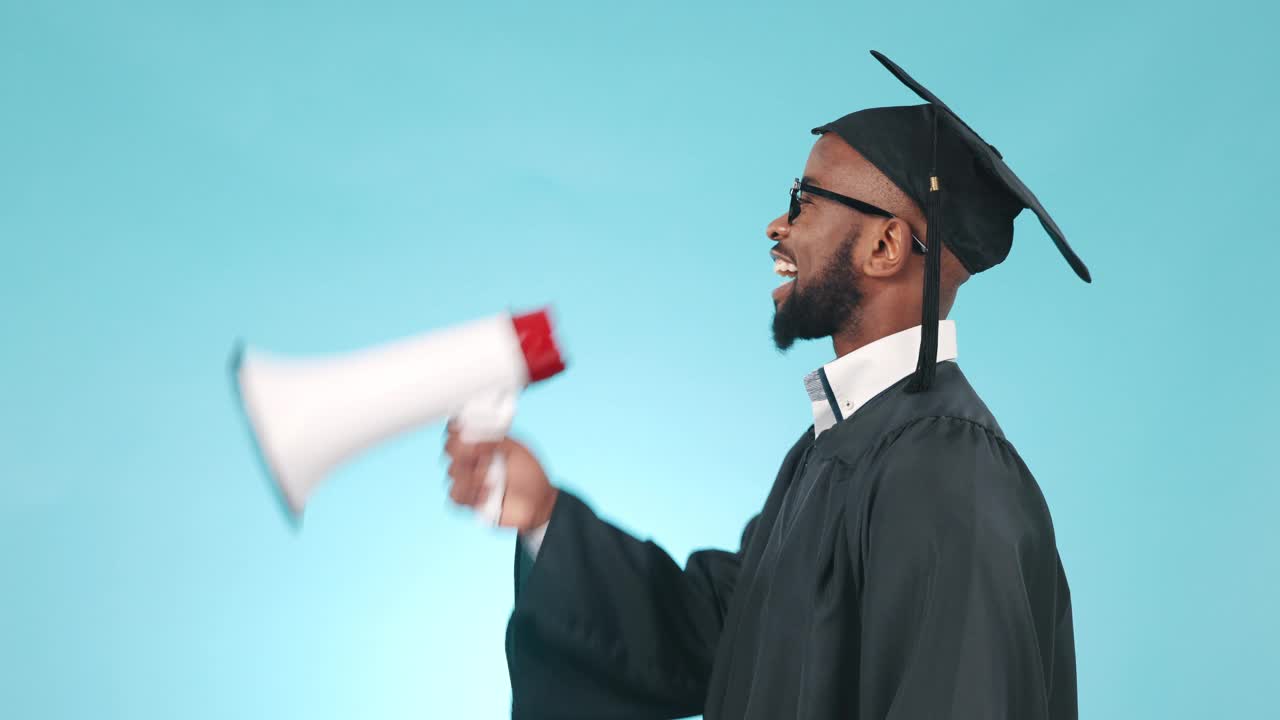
x: 320, y: 176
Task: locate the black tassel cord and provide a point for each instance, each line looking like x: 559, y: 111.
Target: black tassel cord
x: 925, y: 364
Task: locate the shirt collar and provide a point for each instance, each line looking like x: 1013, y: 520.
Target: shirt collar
x: 845, y: 384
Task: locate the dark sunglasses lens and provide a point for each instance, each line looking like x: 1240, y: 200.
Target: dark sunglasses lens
x: 794, y: 211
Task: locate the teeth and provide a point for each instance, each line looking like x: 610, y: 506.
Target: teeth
x: 784, y: 268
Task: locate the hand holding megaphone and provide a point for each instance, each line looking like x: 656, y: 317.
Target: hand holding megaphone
x: 521, y: 496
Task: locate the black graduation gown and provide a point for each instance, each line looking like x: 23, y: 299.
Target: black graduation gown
x: 903, y: 566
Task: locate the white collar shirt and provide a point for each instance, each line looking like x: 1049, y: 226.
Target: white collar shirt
x: 837, y: 389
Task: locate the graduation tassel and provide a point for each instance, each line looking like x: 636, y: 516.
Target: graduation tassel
x: 925, y: 364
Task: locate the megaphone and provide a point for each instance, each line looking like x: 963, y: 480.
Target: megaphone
x: 308, y: 415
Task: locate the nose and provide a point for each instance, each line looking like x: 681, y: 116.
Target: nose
x: 778, y: 228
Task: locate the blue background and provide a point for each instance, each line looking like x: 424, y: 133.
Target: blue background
x: 320, y: 176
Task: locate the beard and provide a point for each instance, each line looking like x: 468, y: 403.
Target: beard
x: 824, y: 307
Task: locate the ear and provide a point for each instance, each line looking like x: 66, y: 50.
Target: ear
x: 890, y: 248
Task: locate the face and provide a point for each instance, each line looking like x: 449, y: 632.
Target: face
x: 816, y: 251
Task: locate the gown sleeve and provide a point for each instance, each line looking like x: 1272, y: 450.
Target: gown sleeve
x: 609, y: 626
x: 965, y: 611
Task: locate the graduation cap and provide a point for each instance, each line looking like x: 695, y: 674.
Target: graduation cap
x: 970, y: 196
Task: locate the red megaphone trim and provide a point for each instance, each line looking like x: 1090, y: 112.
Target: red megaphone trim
x: 541, y: 354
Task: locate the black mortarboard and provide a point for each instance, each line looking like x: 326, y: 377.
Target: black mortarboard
x: 969, y: 195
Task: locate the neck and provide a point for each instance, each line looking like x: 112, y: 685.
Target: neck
x: 866, y: 330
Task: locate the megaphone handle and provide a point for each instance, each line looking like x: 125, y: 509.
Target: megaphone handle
x: 488, y: 418
x: 495, y: 481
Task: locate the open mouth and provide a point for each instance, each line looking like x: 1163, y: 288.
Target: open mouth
x: 785, y: 268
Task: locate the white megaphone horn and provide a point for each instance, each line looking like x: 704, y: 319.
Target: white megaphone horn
x: 308, y: 415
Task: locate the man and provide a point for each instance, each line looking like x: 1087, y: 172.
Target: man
x: 904, y: 564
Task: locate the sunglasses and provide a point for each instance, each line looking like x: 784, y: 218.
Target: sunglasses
x: 799, y: 189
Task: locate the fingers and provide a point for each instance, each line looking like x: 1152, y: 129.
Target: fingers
x: 457, y: 449
x: 469, y: 465
x: 467, y: 470
x: 468, y: 488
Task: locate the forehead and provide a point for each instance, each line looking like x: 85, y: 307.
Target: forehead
x: 832, y: 160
